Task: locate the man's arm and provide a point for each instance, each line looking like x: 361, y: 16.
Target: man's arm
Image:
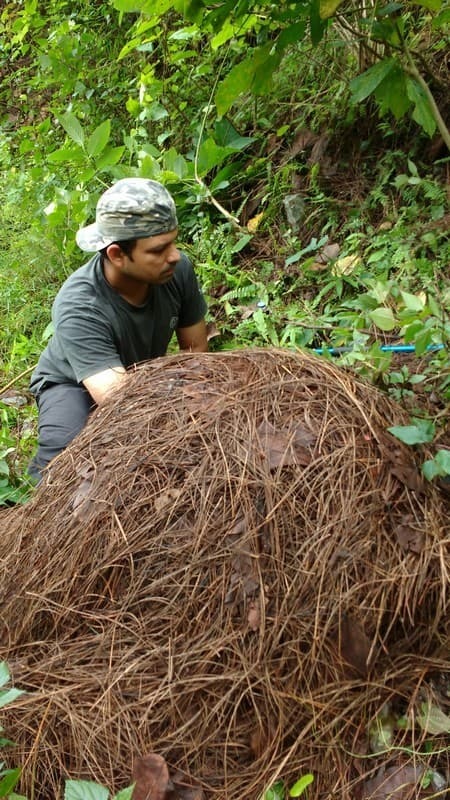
x: 103, y: 383
x: 194, y: 338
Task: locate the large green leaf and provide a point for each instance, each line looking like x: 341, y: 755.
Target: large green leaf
x: 383, y: 318
x: 99, y: 139
x: 391, y: 94
x: 328, y: 7
x: 72, y: 127
x: 422, y: 432
x: 242, y: 77
x: 85, y: 790
x: 363, y: 85
x: 422, y: 113
x: 9, y: 781
x: 153, y: 7
x: 9, y: 695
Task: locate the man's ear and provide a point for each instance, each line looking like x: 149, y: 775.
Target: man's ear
x: 115, y: 254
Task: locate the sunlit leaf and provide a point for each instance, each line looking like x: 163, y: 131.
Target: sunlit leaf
x: 299, y: 786
x: 99, y: 139
x: 383, y: 318
x: 85, y: 790
x: 72, y: 127
x: 328, y: 7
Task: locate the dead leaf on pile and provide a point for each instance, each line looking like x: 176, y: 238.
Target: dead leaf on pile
x: 396, y: 783
x: 151, y: 777
x: 284, y: 447
x: 354, y: 646
x: 82, y: 502
x: 409, y: 538
x: 167, y: 498
x: 254, y: 615
x: 244, y: 579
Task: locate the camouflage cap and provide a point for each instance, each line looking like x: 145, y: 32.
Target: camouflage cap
x: 133, y: 208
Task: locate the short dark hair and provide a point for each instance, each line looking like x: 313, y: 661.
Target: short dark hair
x: 127, y: 246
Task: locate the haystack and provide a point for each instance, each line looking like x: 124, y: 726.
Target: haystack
x: 234, y: 567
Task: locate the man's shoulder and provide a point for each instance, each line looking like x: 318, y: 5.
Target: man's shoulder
x: 82, y: 285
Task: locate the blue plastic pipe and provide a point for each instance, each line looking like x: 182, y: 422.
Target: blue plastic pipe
x: 385, y: 348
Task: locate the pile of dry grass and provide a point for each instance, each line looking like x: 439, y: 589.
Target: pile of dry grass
x: 233, y: 566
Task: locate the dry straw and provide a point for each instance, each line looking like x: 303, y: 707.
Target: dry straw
x: 234, y: 566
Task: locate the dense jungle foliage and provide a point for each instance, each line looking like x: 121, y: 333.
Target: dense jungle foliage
x: 307, y: 149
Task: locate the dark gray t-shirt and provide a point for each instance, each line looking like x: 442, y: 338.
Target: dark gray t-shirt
x: 96, y: 329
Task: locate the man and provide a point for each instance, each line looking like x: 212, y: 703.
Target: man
x: 120, y: 308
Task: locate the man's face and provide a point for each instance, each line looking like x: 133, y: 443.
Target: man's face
x: 153, y: 259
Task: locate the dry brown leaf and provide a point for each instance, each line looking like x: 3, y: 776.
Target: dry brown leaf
x: 253, y: 223
x: 409, y: 538
x: 151, y: 777
x: 167, y: 498
x: 354, y: 645
x: 395, y: 783
x: 286, y: 446
x: 254, y: 615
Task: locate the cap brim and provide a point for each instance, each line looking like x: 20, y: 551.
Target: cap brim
x: 90, y: 239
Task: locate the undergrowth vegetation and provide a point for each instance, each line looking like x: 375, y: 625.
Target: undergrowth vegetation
x: 312, y: 199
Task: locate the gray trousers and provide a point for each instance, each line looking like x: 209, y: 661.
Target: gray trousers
x: 63, y: 412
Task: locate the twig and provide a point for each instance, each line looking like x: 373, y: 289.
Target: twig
x: 3, y: 389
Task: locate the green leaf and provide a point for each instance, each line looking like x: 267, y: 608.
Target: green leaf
x: 421, y: 433
x: 109, y: 157
x: 299, y: 787
x: 72, y: 127
x: 243, y: 76
x: 9, y: 695
x: 422, y: 113
x: 5, y: 675
x: 431, y: 5
x: 99, y: 139
x: 73, y: 154
x: 363, y: 85
x: 383, y: 318
x: 432, y: 720
x: 125, y: 794
x: 391, y: 94
x: 9, y: 781
x: 276, y: 792
x: 291, y: 35
x: 328, y: 7
x: 413, y: 302
x: 85, y: 790
x: 316, y: 24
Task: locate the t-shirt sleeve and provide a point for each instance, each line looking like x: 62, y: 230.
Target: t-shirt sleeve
x: 86, y: 338
x: 193, y: 305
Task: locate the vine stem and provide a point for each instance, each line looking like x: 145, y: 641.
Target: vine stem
x: 414, y: 72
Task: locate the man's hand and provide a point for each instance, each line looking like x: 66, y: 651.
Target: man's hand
x: 194, y: 338
x: 103, y: 383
